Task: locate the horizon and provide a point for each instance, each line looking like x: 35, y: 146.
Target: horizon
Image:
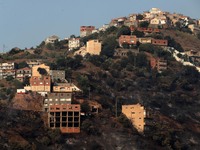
x: 27, y: 24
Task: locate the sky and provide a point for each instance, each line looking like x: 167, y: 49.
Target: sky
x: 26, y: 23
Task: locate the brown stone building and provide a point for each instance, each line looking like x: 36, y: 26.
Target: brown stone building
x: 65, y: 117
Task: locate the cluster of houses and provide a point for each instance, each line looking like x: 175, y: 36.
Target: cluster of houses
x: 56, y: 91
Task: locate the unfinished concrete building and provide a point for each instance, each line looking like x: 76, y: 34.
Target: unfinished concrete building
x: 65, y: 117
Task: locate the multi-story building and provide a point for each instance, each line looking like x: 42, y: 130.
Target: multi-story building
x: 129, y: 39
x: 136, y: 113
x: 159, y: 64
x: 56, y: 99
x: 7, y: 69
x: 86, y: 30
x: 159, y: 42
x: 74, y: 43
x: 57, y: 75
x: 22, y: 73
x: 4, y: 73
x: 32, y: 63
x: 40, y: 84
x: 93, y: 47
x: 7, y: 66
x: 52, y: 39
x: 65, y: 117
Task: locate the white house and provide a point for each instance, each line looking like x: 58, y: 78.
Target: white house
x: 73, y: 43
x: 52, y: 39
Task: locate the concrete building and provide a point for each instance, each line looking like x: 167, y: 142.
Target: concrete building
x: 159, y: 64
x: 65, y: 87
x: 159, y: 42
x: 129, y: 39
x: 144, y: 40
x: 40, y: 84
x: 57, y: 75
x: 65, y: 117
x: 7, y: 69
x: 86, y: 30
x: 35, y: 71
x: 136, y: 113
x: 52, y: 39
x: 32, y: 63
x: 56, y: 99
x: 93, y: 47
x: 155, y: 11
x: 22, y: 73
x: 73, y: 43
x: 7, y: 66
x: 121, y: 52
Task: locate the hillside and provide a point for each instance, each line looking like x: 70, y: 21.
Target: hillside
x: 187, y: 41
x: 170, y: 96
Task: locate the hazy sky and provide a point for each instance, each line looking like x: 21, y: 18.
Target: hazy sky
x: 25, y: 23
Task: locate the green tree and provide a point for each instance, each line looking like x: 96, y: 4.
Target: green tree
x: 22, y: 64
x: 85, y: 107
x: 42, y: 71
x: 139, y: 17
x: 109, y: 45
x: 144, y: 24
x: 138, y: 33
x: 147, y: 47
x: 124, y: 30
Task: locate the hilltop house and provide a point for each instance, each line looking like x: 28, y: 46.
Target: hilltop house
x: 86, y: 30
x: 52, y: 39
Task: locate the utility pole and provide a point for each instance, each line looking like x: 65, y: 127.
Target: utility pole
x: 116, y: 106
x: 89, y: 92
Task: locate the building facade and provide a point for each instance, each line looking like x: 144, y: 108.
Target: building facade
x: 52, y: 39
x: 40, y: 84
x: 57, y: 75
x: 7, y: 69
x: 159, y: 64
x: 136, y: 113
x: 86, y: 30
x: 159, y: 42
x: 56, y: 99
x: 93, y: 47
x: 74, y: 43
x: 129, y: 39
x: 32, y: 63
x: 22, y: 73
x: 65, y: 87
x: 65, y: 117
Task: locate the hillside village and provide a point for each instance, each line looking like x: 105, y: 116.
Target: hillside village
x: 130, y: 78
